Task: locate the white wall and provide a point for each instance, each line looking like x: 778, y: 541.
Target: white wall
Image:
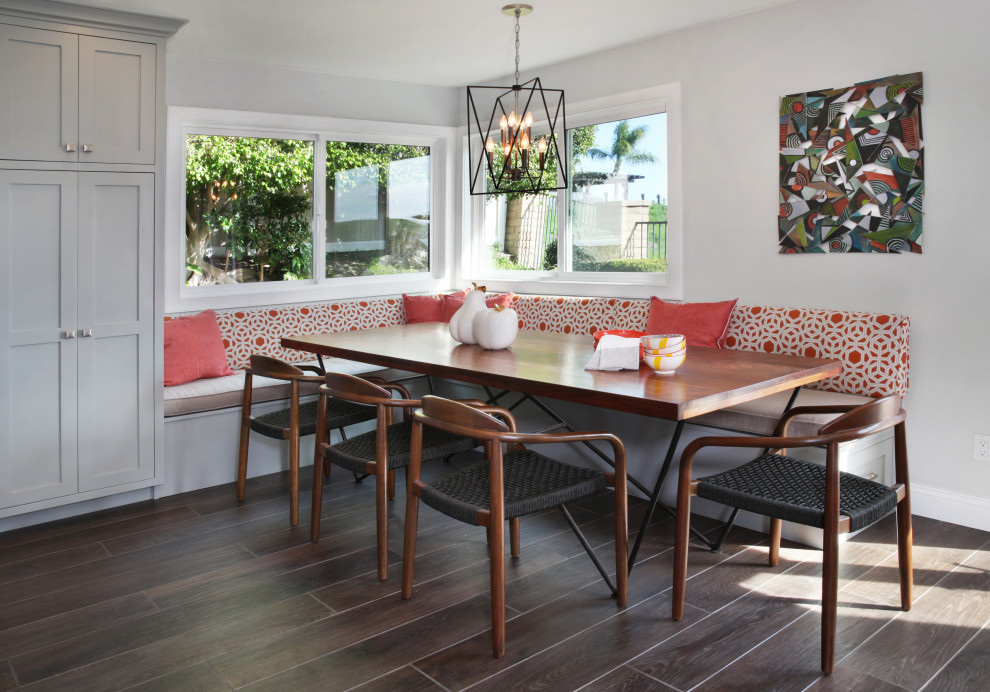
x: 220, y: 84
x: 732, y: 75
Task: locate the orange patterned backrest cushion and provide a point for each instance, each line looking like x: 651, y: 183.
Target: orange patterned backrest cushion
x: 260, y: 330
x: 873, y: 347
x: 564, y: 315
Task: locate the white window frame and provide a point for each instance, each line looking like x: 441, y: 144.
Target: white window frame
x: 183, y: 121
x: 472, y: 267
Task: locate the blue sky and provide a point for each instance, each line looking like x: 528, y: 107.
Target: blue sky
x: 654, y: 180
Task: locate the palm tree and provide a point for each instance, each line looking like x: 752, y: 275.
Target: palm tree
x: 624, y: 147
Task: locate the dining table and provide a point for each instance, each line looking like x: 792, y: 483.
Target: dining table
x: 542, y: 365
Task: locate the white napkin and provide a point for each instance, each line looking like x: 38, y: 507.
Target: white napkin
x: 615, y: 353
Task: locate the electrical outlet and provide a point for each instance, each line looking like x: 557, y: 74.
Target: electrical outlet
x: 981, y: 447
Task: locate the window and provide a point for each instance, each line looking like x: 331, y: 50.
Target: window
x: 249, y: 210
x: 616, y: 223
x: 267, y: 209
x: 378, y: 209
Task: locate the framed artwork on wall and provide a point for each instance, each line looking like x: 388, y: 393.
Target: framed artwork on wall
x: 852, y: 174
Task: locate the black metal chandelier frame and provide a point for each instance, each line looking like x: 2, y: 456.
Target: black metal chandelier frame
x: 513, y: 126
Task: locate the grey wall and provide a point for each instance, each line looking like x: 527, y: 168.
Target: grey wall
x: 732, y: 75
x: 218, y: 84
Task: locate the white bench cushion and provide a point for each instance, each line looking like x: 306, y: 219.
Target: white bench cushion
x: 760, y: 417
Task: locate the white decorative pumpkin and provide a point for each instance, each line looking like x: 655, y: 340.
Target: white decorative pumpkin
x: 461, y: 325
x: 496, y: 328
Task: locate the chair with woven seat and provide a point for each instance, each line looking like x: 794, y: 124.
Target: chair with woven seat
x: 504, y: 487
x: 290, y: 423
x: 788, y: 489
x: 375, y: 453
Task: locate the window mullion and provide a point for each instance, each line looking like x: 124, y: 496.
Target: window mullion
x: 319, y: 210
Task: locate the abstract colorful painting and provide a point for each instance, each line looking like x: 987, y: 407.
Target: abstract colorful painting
x: 852, y: 173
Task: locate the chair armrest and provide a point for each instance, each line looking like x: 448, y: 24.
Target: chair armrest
x: 775, y: 442
x: 554, y: 438
x: 788, y: 416
x: 393, y: 387
x: 312, y: 368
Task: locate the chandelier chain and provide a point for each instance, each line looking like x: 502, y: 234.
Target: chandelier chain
x: 518, y: 12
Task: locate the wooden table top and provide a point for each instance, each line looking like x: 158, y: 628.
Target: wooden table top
x: 552, y: 365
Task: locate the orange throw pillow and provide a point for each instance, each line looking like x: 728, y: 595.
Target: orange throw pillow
x: 425, y: 308
x: 194, y: 349
x: 702, y: 324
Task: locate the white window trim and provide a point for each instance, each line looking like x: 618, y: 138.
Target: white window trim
x: 183, y: 120
x: 665, y: 98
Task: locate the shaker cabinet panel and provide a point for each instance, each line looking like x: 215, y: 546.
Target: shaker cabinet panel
x: 77, y: 386
x: 65, y: 97
x: 38, y: 94
x: 116, y: 101
x: 116, y: 314
x: 38, y: 384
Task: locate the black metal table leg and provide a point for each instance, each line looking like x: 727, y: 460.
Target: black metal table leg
x: 655, y: 495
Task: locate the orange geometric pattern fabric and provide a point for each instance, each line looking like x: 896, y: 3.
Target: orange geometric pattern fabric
x: 565, y: 315
x: 260, y: 330
x: 874, y: 348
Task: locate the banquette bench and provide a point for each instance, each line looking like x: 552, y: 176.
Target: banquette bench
x: 873, y: 348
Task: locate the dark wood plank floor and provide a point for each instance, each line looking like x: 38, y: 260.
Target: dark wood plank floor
x: 197, y: 592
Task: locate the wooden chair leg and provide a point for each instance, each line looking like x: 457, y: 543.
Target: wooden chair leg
x: 242, y: 460
x: 496, y: 558
x: 904, y: 547
x: 514, y: 536
x: 294, y: 480
x: 409, y: 543
x: 381, y: 511
x: 776, y: 525
x: 621, y: 545
x: 682, y: 535
x: 830, y: 595
x: 317, y: 509
x: 391, y: 484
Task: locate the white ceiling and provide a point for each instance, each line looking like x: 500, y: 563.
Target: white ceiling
x: 435, y: 42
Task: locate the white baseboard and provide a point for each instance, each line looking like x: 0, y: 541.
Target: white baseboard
x: 950, y: 506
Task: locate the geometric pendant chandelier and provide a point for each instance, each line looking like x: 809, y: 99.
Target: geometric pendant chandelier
x: 517, y: 134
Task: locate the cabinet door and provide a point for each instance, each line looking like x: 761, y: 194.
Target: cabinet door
x: 116, y: 101
x: 37, y: 361
x: 116, y: 322
x: 38, y: 94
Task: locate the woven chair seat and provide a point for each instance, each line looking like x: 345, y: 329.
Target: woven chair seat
x: 357, y: 452
x: 532, y: 483
x: 794, y: 490
x: 340, y: 413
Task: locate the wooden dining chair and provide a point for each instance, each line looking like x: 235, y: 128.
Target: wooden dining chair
x: 290, y: 423
x: 375, y: 453
x: 788, y: 489
x: 506, y: 486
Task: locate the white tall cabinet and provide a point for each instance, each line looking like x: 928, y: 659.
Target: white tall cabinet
x: 81, y: 194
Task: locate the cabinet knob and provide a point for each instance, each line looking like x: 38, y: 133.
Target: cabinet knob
x: 70, y: 334
x: 87, y: 332
x: 69, y: 146
x: 87, y: 148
